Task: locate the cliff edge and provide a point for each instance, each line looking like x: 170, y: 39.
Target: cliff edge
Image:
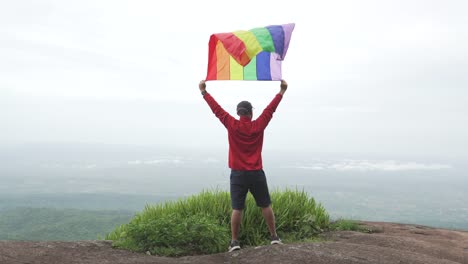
x: 385, y: 243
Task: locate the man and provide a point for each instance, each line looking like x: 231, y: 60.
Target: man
x: 245, y: 159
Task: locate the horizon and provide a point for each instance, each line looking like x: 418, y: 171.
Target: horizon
x: 385, y: 188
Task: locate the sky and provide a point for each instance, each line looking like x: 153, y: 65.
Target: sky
x: 387, y: 77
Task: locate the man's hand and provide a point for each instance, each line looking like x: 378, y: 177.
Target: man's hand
x: 284, y: 87
x: 202, y: 86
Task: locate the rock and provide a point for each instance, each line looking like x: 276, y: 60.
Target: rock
x: 385, y: 243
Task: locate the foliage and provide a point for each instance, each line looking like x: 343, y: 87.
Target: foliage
x: 173, y: 236
x: 347, y: 225
x: 172, y: 228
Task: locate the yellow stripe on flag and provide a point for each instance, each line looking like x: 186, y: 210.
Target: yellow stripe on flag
x: 251, y: 43
x: 237, y: 71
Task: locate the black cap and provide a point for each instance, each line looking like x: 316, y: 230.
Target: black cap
x: 244, y: 108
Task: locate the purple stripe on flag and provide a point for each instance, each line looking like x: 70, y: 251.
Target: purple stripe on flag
x: 275, y: 67
x: 288, y: 29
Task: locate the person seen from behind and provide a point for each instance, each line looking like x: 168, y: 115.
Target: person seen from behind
x: 245, y: 137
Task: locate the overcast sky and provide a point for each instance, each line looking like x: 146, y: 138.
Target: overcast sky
x: 364, y: 76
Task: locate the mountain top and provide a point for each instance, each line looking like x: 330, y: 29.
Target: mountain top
x: 385, y: 243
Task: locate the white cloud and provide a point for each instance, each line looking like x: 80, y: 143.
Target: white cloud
x: 368, y: 165
x: 175, y: 161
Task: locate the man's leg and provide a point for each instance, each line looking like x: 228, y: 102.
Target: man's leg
x: 269, y: 216
x: 261, y: 194
x: 238, y: 195
x: 236, y: 219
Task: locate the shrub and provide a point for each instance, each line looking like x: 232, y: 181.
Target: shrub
x: 200, y: 224
x: 172, y: 235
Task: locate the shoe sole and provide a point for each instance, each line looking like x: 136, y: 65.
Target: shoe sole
x: 234, y: 248
x: 276, y: 243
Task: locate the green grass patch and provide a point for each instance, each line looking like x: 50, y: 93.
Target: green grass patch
x: 200, y: 224
x: 347, y: 225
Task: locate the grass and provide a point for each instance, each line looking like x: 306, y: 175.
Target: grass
x: 200, y: 224
x: 348, y: 225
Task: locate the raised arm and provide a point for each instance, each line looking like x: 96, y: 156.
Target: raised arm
x: 219, y: 112
x: 267, y: 114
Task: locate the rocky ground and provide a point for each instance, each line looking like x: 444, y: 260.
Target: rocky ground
x: 386, y: 243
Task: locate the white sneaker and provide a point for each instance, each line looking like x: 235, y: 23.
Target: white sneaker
x: 234, y: 246
x: 275, y: 240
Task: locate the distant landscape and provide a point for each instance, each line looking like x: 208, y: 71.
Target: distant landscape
x: 82, y: 191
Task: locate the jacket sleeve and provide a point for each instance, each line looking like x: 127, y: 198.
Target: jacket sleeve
x: 267, y: 114
x: 219, y: 112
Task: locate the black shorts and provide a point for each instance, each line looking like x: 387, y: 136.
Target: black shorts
x: 245, y: 181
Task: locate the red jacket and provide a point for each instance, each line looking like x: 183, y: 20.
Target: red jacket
x: 245, y: 136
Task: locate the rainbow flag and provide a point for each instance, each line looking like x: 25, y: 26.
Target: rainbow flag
x: 255, y: 54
